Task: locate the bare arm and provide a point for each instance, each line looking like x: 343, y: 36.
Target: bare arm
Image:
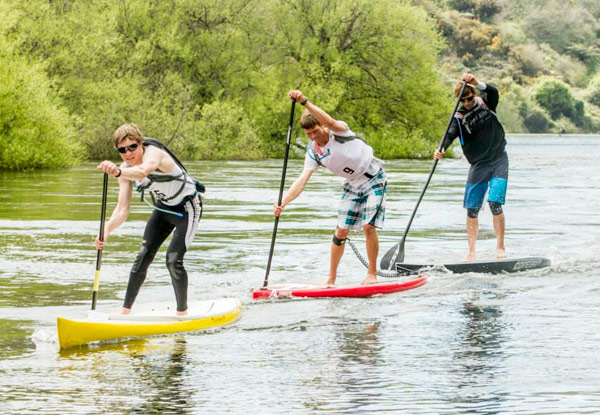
x: 324, y: 119
x: 154, y: 159
x: 121, y: 212
x: 294, y: 191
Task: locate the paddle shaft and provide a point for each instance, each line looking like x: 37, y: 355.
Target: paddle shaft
x: 281, y: 186
x: 400, y: 252
x: 101, y: 236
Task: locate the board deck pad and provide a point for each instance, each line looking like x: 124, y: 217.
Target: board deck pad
x: 494, y: 266
x: 314, y: 290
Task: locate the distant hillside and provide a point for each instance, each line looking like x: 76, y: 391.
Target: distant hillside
x: 544, y: 54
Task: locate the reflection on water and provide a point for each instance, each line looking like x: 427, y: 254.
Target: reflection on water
x: 153, y: 377
x: 522, y: 343
x: 479, y: 358
x: 14, y: 339
x: 164, y: 376
x: 360, y: 360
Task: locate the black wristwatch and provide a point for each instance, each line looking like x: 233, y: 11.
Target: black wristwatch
x: 304, y: 102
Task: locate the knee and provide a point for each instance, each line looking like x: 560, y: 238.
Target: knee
x: 472, y: 213
x: 369, y: 230
x: 140, y: 260
x: 341, y: 233
x: 495, y: 208
x: 175, y: 264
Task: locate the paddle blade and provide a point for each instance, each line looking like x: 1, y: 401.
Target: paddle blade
x: 391, y: 257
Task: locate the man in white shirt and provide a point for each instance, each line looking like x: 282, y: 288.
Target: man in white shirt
x: 362, y: 206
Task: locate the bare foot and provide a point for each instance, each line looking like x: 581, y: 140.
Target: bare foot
x: 125, y: 310
x: 500, y: 253
x: 330, y: 281
x: 471, y: 256
x: 371, y: 279
x: 182, y: 313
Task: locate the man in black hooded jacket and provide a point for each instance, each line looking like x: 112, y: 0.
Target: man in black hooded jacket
x: 483, y: 143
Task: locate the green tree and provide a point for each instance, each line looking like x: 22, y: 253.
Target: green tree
x: 35, y: 131
x: 576, y: 26
x: 593, y: 90
x: 371, y: 64
x: 555, y: 96
x: 225, y: 133
x: 173, y: 67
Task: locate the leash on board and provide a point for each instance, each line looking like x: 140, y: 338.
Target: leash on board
x: 380, y: 272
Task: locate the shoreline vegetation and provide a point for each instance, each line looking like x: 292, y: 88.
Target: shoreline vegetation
x: 209, y: 78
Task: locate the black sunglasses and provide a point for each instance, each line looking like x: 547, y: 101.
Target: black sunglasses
x: 467, y: 99
x: 130, y: 147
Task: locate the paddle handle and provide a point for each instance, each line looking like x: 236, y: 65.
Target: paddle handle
x: 101, y: 236
x: 281, y: 187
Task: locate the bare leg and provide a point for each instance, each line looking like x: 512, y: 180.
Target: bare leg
x: 336, y: 255
x: 372, y: 251
x: 499, y: 229
x: 472, y: 231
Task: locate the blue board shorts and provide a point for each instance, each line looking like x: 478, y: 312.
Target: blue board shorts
x: 481, y: 176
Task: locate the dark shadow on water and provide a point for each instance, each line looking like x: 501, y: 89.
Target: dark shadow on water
x: 357, y: 355
x: 163, y: 377
x: 478, y: 359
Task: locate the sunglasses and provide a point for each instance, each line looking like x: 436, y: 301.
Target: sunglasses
x: 130, y: 147
x: 467, y: 99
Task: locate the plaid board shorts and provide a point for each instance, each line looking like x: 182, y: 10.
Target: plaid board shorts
x: 364, y: 204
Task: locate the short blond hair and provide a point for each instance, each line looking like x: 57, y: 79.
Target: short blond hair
x: 127, y: 131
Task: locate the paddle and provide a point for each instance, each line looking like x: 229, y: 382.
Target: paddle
x: 281, y: 186
x: 396, y: 253
x: 101, y: 236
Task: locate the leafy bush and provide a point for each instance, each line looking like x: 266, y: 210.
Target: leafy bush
x: 555, y: 96
x: 593, y: 90
x: 224, y: 132
x: 483, y: 9
x: 170, y: 67
x: 529, y: 59
x: 537, y: 121
x: 35, y: 131
x: 574, y: 26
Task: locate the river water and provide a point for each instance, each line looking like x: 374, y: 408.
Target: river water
x: 525, y: 343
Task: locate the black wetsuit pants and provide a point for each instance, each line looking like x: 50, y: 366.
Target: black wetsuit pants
x: 159, y: 227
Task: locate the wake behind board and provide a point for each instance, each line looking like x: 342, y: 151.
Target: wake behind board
x: 146, y: 320
x: 495, y: 266
x: 322, y: 291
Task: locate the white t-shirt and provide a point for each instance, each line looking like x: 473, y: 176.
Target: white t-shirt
x: 349, y: 159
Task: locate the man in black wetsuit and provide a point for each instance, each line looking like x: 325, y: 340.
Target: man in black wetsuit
x: 177, y: 209
x: 482, y: 139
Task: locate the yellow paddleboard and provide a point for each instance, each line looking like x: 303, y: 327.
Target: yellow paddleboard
x: 146, y: 320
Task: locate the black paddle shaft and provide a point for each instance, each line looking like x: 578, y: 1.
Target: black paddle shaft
x: 281, y: 187
x: 101, y: 236
x: 399, y: 249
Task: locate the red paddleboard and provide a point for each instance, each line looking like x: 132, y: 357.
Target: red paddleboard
x: 321, y: 291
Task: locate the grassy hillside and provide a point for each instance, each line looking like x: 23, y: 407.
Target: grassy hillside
x: 544, y: 54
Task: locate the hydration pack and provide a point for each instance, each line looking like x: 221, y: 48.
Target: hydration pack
x: 200, y: 188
